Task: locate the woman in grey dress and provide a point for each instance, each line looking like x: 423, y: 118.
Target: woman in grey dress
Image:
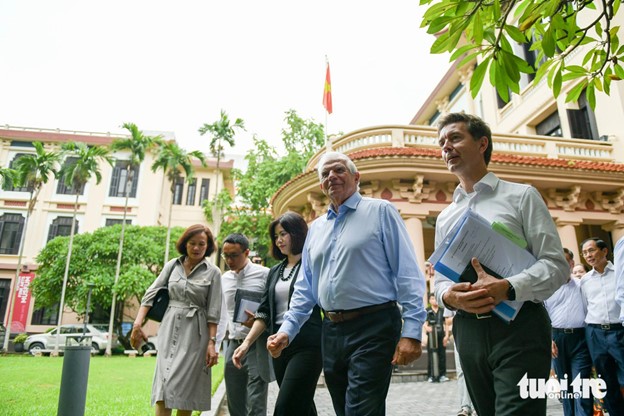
x: 187, y: 334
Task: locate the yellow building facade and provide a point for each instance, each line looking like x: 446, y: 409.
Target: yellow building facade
x: 99, y: 205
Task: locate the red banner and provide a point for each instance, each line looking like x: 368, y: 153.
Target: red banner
x: 22, y: 303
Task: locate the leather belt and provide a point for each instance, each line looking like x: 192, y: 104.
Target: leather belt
x: 568, y: 330
x: 607, y: 327
x: 350, y: 314
x: 473, y: 315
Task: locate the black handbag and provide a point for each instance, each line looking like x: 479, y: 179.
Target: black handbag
x: 161, y: 302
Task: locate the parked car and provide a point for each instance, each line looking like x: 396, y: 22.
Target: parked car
x: 47, y: 341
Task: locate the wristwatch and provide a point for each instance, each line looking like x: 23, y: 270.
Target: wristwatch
x: 511, y: 292
x: 213, y: 339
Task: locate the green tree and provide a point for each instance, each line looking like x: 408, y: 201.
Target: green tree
x: 171, y: 158
x: 553, y: 28
x: 266, y: 172
x: 81, y: 164
x: 33, y: 170
x: 7, y: 176
x: 98, y: 252
x: 221, y: 132
x: 137, y: 144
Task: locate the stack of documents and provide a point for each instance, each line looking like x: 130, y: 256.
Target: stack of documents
x: 245, y: 300
x: 501, y: 254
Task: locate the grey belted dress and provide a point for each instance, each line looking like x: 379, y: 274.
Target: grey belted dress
x: 181, y: 378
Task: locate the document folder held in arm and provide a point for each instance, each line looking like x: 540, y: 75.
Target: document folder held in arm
x: 245, y: 300
x: 500, y: 256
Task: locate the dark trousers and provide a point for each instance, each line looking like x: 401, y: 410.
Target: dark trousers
x: 245, y: 389
x: 357, y: 357
x: 496, y: 355
x: 297, y: 371
x: 440, y: 350
x: 607, y: 353
x: 573, y: 360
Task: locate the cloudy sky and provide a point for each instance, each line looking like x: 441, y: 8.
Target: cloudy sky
x: 172, y: 66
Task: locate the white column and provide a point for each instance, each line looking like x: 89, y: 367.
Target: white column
x: 567, y: 233
x: 415, y: 231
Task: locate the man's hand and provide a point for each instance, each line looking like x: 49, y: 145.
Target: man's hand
x: 407, y: 350
x: 497, y: 288
x: 554, y: 350
x: 276, y: 343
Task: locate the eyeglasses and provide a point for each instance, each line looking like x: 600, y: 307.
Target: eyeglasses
x: 589, y: 251
x: 226, y: 256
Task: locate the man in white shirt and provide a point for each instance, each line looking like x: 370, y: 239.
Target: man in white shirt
x: 604, y: 334
x: 246, y: 387
x: 618, y: 260
x: 496, y: 355
x: 567, y: 310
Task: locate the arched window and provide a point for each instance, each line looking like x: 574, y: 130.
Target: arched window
x: 28, y: 187
x: 61, y: 226
x: 11, y: 228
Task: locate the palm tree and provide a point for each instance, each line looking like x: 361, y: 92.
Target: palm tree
x: 32, y: 170
x: 137, y: 144
x: 170, y: 159
x: 81, y: 164
x: 221, y: 131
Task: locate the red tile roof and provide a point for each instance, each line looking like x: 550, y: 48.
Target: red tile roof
x: 502, y: 158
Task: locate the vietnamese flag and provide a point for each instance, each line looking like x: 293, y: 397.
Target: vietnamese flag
x: 327, y: 98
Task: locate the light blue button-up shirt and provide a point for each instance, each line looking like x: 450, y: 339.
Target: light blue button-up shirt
x: 359, y: 256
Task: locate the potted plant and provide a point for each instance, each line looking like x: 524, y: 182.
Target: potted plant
x: 18, y: 342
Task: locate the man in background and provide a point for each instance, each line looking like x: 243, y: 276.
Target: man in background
x: 246, y: 387
x: 604, y: 333
x: 571, y: 359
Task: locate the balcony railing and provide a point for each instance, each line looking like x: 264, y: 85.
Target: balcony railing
x: 426, y: 136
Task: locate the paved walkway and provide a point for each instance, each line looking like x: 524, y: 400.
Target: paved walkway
x: 404, y: 399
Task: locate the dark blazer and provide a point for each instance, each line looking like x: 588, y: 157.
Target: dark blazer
x: 310, y: 334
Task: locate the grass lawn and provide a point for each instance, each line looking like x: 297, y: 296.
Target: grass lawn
x: 117, y: 385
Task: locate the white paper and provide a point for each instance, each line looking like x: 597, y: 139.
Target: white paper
x: 473, y: 236
x: 246, y: 305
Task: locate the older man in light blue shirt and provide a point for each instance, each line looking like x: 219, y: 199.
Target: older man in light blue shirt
x: 358, y: 261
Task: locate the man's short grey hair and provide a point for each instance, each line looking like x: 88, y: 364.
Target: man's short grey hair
x: 331, y: 156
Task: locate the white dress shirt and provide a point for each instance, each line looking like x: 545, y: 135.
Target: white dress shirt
x: 599, y: 291
x: 618, y: 259
x: 567, y: 306
x: 521, y: 208
x: 251, y: 277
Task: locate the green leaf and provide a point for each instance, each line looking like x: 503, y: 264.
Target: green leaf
x: 438, y: 24
x: 598, y: 29
x: 619, y: 71
x: 556, y: 85
x: 575, y: 92
x: 590, y: 94
x: 477, y: 77
x: 460, y: 51
x: 469, y: 58
x: 440, y: 45
x: 477, y: 29
x: 515, y: 34
x: 548, y: 43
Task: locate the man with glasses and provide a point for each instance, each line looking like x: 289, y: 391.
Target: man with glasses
x: 604, y: 333
x: 246, y: 387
